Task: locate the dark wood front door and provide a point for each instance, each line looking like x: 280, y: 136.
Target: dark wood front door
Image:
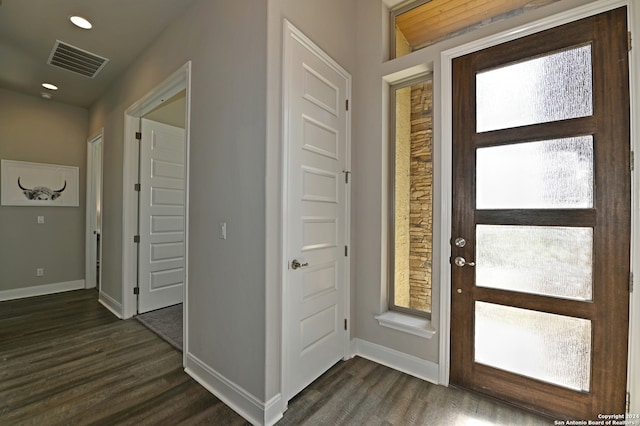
x: 541, y: 219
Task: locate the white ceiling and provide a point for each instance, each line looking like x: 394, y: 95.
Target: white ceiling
x: 121, y: 31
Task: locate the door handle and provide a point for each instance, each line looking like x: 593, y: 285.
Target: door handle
x: 295, y: 264
x: 460, y: 261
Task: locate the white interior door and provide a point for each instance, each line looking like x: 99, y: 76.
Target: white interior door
x: 94, y: 212
x: 316, y: 91
x: 161, y: 267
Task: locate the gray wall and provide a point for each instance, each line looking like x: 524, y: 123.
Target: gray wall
x: 233, y: 298
x: 41, y: 131
x: 370, y: 186
x: 171, y: 112
x: 226, y: 42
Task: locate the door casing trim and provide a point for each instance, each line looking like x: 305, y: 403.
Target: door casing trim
x: 446, y: 157
x: 179, y: 80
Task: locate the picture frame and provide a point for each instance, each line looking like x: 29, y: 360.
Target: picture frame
x: 39, y: 184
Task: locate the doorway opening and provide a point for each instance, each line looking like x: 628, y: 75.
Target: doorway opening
x: 161, y: 217
x: 169, y: 99
x: 93, y: 212
x: 156, y: 177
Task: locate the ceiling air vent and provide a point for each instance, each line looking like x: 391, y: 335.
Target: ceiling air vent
x: 76, y: 60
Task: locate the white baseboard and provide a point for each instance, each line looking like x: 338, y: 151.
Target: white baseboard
x: 412, y: 365
x: 234, y: 396
x: 111, y: 304
x: 259, y: 413
x: 41, y: 290
x: 273, y: 410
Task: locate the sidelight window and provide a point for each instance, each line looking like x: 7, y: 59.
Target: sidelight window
x: 411, y: 250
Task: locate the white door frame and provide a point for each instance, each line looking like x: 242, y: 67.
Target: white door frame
x: 94, y: 171
x: 178, y: 81
x: 290, y: 32
x: 447, y: 56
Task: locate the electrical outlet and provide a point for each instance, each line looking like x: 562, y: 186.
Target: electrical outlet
x: 39, y: 272
x: 222, y: 230
x: 40, y: 219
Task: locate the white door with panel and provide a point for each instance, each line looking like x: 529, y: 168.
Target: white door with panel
x: 316, y: 90
x: 94, y: 212
x: 161, y: 263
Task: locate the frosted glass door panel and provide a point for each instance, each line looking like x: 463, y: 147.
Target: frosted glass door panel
x: 548, y: 260
x: 536, y: 175
x: 549, y: 88
x: 548, y: 347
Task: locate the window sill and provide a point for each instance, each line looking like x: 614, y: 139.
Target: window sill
x: 407, y: 323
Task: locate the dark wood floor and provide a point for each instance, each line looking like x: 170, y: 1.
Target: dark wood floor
x: 66, y: 360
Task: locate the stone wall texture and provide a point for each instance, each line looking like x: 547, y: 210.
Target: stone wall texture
x: 421, y: 203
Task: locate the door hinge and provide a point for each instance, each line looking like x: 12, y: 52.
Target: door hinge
x: 345, y: 323
x: 628, y: 403
x: 346, y: 175
x: 136, y: 187
x: 346, y: 251
x: 139, y: 135
x: 136, y: 290
x: 632, y: 160
x: 347, y: 101
x: 630, y: 282
x: 136, y: 238
x: 629, y: 41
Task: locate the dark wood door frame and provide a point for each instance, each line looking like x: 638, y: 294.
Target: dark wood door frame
x: 610, y: 218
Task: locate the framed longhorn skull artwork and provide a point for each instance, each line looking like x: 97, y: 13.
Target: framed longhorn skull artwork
x: 38, y: 184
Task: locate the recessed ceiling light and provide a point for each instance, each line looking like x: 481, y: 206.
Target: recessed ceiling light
x: 81, y: 22
x: 49, y: 86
